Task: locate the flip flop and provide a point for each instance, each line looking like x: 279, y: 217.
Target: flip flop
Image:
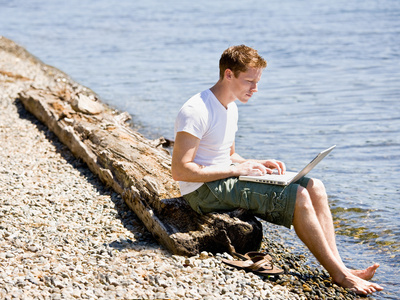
x: 246, y: 259
x: 254, y: 254
x: 240, y: 264
x: 264, y: 266
x: 256, y: 262
x: 250, y: 255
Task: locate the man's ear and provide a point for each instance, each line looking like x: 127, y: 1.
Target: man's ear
x: 228, y: 74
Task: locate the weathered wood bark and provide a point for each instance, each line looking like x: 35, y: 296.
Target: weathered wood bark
x: 135, y: 167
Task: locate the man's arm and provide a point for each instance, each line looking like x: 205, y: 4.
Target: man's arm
x: 185, y: 169
x: 270, y: 164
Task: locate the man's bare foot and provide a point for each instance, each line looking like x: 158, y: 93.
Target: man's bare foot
x: 366, y: 274
x: 358, y: 285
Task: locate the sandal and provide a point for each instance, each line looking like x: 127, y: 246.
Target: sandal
x: 256, y: 262
x: 264, y: 266
x: 246, y: 259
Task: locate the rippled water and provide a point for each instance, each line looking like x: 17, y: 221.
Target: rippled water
x: 332, y: 78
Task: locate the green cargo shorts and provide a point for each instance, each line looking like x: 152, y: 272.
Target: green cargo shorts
x: 272, y: 203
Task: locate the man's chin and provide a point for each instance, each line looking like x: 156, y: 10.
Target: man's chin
x: 245, y: 99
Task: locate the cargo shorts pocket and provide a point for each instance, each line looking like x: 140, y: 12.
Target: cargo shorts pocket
x: 259, y: 203
x: 201, y: 200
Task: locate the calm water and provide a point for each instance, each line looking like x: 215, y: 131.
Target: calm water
x: 332, y: 78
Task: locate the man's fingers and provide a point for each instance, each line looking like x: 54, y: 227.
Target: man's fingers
x: 276, y: 164
x: 258, y: 169
x: 283, y: 167
x: 261, y: 168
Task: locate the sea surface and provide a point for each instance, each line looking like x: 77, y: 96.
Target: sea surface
x: 333, y: 77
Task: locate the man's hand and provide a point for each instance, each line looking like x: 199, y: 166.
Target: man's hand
x: 271, y: 164
x: 256, y: 167
x: 260, y: 167
x: 251, y: 167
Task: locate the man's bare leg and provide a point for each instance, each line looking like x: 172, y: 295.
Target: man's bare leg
x: 319, y: 199
x: 310, y: 231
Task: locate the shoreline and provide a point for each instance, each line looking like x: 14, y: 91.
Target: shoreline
x: 65, y: 235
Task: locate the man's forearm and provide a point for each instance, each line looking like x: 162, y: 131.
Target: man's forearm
x: 193, y: 172
x: 236, y: 158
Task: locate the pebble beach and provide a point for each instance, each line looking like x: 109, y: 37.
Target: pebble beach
x: 64, y: 235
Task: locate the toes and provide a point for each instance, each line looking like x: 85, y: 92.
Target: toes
x: 359, y: 291
x: 365, y: 290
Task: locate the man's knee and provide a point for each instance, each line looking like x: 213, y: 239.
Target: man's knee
x: 319, y: 197
x: 317, y: 187
x: 303, y: 199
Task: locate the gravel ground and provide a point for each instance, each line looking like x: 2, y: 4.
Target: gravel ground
x: 63, y: 235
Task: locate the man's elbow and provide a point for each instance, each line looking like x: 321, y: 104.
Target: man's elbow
x: 176, y: 175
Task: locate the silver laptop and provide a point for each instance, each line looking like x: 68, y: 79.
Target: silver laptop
x: 288, y: 177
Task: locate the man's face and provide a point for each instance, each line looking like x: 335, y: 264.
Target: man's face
x: 245, y: 84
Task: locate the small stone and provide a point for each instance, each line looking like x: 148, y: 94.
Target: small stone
x: 58, y: 283
x: 307, y: 288
x: 33, y: 248
x: 32, y: 280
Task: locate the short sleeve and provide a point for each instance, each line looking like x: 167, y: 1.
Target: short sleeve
x: 191, y: 120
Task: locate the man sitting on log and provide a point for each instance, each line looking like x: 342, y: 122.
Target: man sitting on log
x: 207, y: 167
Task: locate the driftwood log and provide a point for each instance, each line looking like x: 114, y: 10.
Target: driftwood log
x: 135, y: 167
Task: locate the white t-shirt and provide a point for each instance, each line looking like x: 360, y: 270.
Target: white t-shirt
x: 207, y: 119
